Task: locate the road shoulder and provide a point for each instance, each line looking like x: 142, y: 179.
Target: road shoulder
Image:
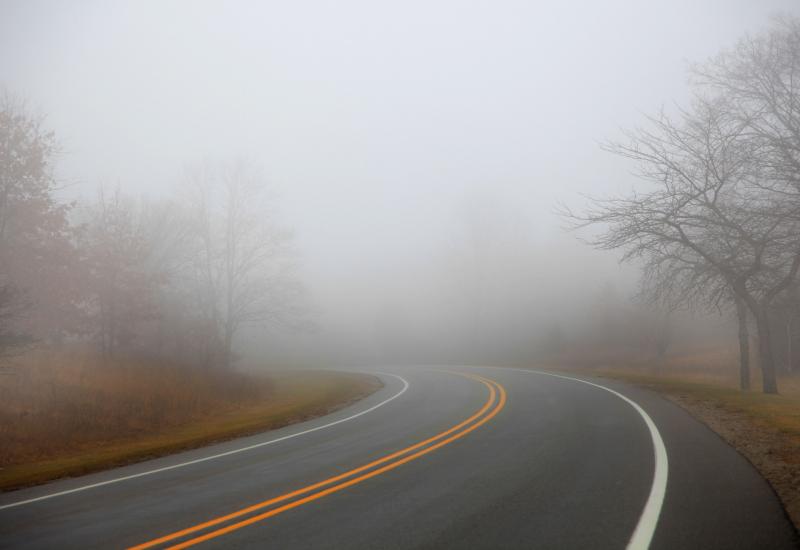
x: 741, y: 420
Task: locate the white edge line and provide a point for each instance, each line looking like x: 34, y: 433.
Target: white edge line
x: 220, y: 455
x: 648, y: 520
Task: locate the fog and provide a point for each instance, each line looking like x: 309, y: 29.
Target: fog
x: 417, y: 151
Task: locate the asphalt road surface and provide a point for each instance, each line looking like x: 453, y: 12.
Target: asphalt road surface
x: 439, y: 458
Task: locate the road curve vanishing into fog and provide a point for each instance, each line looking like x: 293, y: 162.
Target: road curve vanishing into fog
x: 438, y: 458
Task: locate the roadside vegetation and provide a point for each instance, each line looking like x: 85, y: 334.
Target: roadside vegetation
x: 714, y: 227
x: 715, y: 224
x: 121, y: 318
x: 70, y: 412
x: 177, y: 278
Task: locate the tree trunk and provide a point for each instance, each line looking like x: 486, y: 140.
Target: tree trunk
x: 744, y: 346
x: 789, y: 362
x: 228, y: 348
x: 765, y: 357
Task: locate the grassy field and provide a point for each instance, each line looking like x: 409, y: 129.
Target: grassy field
x: 764, y: 428
x: 69, y: 413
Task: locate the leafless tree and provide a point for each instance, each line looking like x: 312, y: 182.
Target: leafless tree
x: 672, y: 281
x: 242, y: 260
x: 176, y: 329
x: 123, y: 276
x: 709, y: 210
x: 760, y: 79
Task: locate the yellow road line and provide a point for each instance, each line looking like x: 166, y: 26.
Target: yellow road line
x: 336, y: 488
x: 490, y: 384
x: 298, y: 492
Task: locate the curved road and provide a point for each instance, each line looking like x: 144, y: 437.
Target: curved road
x: 479, y: 458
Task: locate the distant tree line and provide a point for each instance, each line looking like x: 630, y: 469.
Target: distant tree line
x: 176, y: 278
x: 612, y: 327
x: 718, y: 225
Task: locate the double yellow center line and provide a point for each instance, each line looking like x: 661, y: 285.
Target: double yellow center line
x: 494, y: 404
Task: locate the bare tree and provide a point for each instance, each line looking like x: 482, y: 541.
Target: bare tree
x: 760, y: 79
x: 674, y: 280
x: 175, y: 330
x: 784, y: 316
x: 122, y: 278
x: 709, y: 208
x: 243, y: 260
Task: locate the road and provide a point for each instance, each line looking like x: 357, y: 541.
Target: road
x: 438, y: 458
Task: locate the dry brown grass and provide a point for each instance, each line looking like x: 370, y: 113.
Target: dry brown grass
x: 717, y: 366
x: 68, y: 412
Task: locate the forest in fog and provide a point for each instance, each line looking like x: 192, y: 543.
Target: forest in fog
x: 131, y: 275
x: 334, y: 250
x: 196, y: 277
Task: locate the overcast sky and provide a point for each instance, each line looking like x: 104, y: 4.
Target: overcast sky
x: 380, y: 123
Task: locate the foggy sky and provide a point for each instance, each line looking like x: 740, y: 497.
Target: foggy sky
x: 381, y: 124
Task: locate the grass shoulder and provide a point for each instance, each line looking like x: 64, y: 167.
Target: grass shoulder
x: 101, y: 420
